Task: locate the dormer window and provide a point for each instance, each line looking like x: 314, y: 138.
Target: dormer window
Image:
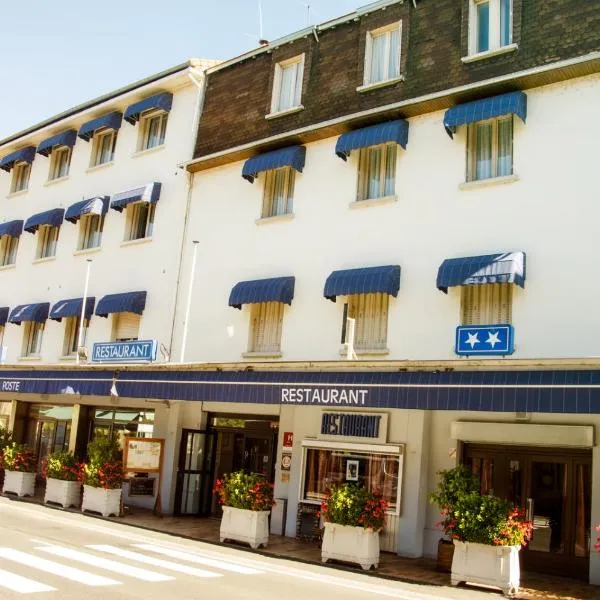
x: 287, y: 85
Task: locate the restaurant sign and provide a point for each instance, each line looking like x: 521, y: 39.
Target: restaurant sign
x: 136, y: 351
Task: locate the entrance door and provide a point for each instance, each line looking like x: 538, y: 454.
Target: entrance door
x: 195, y: 472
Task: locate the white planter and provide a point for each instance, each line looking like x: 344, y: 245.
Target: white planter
x: 105, y: 502
x: 250, y: 526
x: 351, y: 544
x: 489, y: 565
x: 22, y: 484
x: 65, y: 493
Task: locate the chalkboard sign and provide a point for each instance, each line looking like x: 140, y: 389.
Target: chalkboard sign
x: 141, y: 486
x: 308, y: 523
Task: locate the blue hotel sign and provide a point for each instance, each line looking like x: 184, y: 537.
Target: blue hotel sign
x: 350, y: 425
x: 138, y: 351
x: 495, y: 340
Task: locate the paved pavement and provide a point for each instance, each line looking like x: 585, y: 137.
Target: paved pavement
x: 49, y: 555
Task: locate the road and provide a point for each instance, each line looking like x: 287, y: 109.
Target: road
x: 48, y: 554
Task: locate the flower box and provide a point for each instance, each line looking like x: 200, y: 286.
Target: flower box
x: 105, y: 502
x: 496, y: 566
x: 21, y: 484
x: 250, y: 526
x: 65, y: 493
x: 351, y: 544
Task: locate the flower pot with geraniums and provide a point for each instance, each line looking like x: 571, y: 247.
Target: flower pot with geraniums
x: 5, y: 441
x: 353, y: 519
x: 246, y: 499
x: 62, y: 473
x: 19, y: 470
x: 102, y: 477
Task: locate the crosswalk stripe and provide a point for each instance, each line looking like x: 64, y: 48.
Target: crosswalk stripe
x: 48, y: 566
x: 22, y: 585
x: 196, y: 558
x: 105, y: 563
x: 151, y: 560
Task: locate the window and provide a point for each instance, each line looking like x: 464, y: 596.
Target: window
x: 123, y: 423
x: 59, y: 162
x: 152, y: 130
x: 8, y: 250
x: 32, y: 338
x: 140, y: 219
x: 488, y: 304
x: 490, y: 149
x: 491, y: 25
x: 103, y: 150
x: 265, y: 327
x: 370, y: 314
x: 126, y: 327
x: 47, y: 238
x: 20, y: 178
x: 377, y: 172
x: 71, y: 340
x: 287, y: 84
x: 382, y: 55
x: 90, y: 234
x: 279, y: 192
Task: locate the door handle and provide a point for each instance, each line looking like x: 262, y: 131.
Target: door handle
x: 529, y: 511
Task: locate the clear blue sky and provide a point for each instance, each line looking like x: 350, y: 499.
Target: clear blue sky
x: 57, y: 54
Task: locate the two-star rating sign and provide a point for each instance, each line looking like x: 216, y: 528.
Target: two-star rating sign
x: 484, y: 339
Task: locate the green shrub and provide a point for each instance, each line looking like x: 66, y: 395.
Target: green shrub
x: 352, y: 504
x: 20, y: 458
x: 61, y: 465
x: 249, y: 491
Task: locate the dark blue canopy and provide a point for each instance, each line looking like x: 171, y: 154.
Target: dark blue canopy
x: 368, y: 280
x: 92, y: 206
x: 11, y: 228
x: 109, y: 121
x: 147, y: 193
x: 4, y: 315
x: 162, y: 101
x: 276, y: 289
x: 26, y: 154
x: 29, y: 312
x: 133, y: 302
x: 293, y: 156
x: 52, y: 217
x: 66, y: 138
x: 382, y: 133
x: 72, y: 308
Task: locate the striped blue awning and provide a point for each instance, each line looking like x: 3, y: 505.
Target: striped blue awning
x: 162, y: 101
x: 382, y: 133
x: 276, y: 289
x: 147, y: 193
x: 92, y: 206
x: 11, y: 228
x: 508, y: 267
x: 29, y: 312
x: 26, y: 154
x: 513, y: 103
x: 368, y: 280
x: 72, y: 308
x: 133, y: 302
x: 293, y: 156
x: 4, y: 315
x: 66, y: 138
x: 52, y: 217
x: 109, y: 121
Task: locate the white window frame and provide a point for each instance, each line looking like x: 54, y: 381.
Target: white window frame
x: 364, y: 155
x: 21, y: 173
x: 368, y: 339
x: 115, y: 326
x: 32, y: 339
x: 71, y: 338
x: 8, y: 250
x: 145, y: 126
x: 89, y: 226
x: 97, y: 146
x: 486, y: 304
x: 47, y: 241
x: 60, y: 163
x: 471, y: 174
x: 266, y: 324
x: 494, y: 34
x: 278, y: 80
x: 134, y: 218
x: 269, y: 205
x: 387, y: 30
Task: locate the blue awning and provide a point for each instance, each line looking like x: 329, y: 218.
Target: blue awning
x: 161, y: 101
x: 293, y: 156
x: 513, y: 103
x: 52, y: 217
x: 382, y: 133
x: 26, y: 154
x: 368, y: 280
x: 276, y: 289
x: 147, y: 193
x: 29, y: 312
x: 109, y: 121
x: 72, y: 308
x: 11, y: 228
x: 66, y: 138
x: 133, y: 302
x: 4, y: 315
x: 92, y: 206
x: 508, y: 267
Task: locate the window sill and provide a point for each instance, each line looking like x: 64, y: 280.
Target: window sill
x: 283, y: 113
x: 84, y: 251
x: 373, y: 202
x: 17, y: 194
x: 8, y: 267
x: 29, y: 358
x: 68, y: 358
x: 489, y: 53
x: 367, y: 87
x: 144, y: 240
x: 140, y: 153
x: 261, y: 355
x: 275, y: 219
x: 471, y: 185
x: 55, y: 181
x: 46, y: 259
x: 99, y: 167
x: 372, y: 352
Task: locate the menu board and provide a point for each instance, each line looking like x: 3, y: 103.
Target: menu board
x: 143, y: 455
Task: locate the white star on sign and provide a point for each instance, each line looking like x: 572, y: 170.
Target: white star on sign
x: 472, y: 339
x: 492, y: 339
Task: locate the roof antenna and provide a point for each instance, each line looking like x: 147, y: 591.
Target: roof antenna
x: 261, y: 39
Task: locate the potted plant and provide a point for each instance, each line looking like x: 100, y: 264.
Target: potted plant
x: 246, y: 499
x: 5, y: 442
x: 19, y: 470
x: 102, y: 477
x: 353, y: 519
x: 62, y: 473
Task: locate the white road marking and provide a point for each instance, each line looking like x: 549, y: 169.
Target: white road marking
x: 198, y: 559
x: 105, y: 563
x: 151, y: 560
x: 22, y: 585
x: 48, y: 566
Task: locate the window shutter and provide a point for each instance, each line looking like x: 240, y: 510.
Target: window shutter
x: 126, y: 326
x: 370, y: 312
x: 266, y: 325
x: 487, y: 304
